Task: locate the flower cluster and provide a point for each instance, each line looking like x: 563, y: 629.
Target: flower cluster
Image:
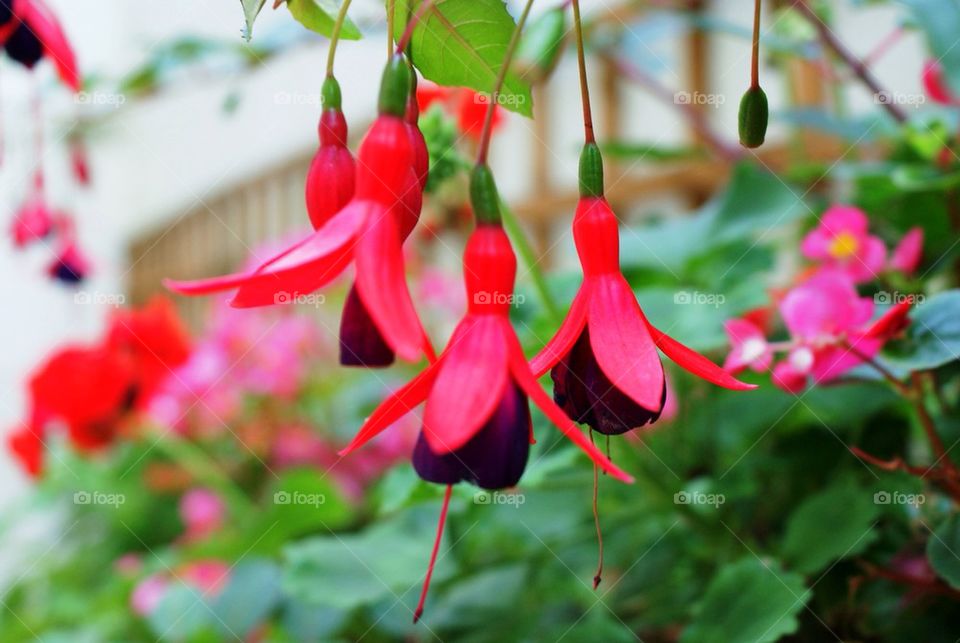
x: 92, y: 390
x: 831, y: 327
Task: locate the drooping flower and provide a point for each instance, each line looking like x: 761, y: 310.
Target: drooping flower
x: 70, y: 265
x: 908, y: 253
x: 366, y: 232
x: 329, y: 185
x: 842, y: 241
x: 476, y: 423
x: 605, y: 365
x: 26, y: 445
x: 750, y: 347
x: 34, y: 33
x: 936, y: 85
x: 32, y: 222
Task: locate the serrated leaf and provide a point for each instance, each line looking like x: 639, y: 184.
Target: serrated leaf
x: 462, y: 43
x: 251, y: 9
x: 835, y: 523
x: 321, y: 16
x: 749, y: 602
x: 943, y: 550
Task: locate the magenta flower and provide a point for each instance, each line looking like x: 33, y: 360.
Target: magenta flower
x: 750, y: 347
x: 907, y: 255
x: 202, y: 512
x: 33, y: 221
x: 842, y: 241
x: 826, y: 315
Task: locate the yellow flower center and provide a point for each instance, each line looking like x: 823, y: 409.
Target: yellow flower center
x: 844, y: 246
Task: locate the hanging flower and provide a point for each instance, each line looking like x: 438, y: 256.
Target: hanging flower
x: 936, y: 85
x: 70, y: 265
x: 476, y: 425
x: 842, y: 241
x: 329, y: 185
x: 605, y: 365
x: 366, y: 232
x: 32, y: 222
x: 34, y: 33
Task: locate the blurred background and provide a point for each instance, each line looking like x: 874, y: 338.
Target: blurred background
x: 196, y: 144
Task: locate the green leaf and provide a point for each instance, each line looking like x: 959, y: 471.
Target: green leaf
x: 833, y: 524
x: 251, y: 593
x: 943, y: 550
x: 386, y: 560
x: 541, y: 44
x: 921, y: 178
x: 463, y: 43
x: 321, y: 16
x: 933, y: 338
x: 749, y: 602
x: 251, y: 9
x: 756, y: 202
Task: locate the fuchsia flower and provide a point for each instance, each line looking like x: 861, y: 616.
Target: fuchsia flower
x: 329, y: 185
x: 367, y: 232
x: 32, y: 222
x: 30, y: 32
x: 936, y: 85
x: 476, y: 424
x: 606, y: 368
x: 908, y: 254
x: 70, y: 265
x: 842, y: 241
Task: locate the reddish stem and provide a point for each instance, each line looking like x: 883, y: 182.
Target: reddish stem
x: 433, y: 555
x: 582, y: 64
x: 422, y: 10
x: 755, y: 57
x: 596, y: 521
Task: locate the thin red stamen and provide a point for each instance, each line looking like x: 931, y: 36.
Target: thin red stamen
x: 433, y: 556
x: 596, y: 518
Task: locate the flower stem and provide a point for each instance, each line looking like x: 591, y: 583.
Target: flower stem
x: 857, y: 66
x: 596, y: 521
x: 582, y: 64
x: 515, y: 231
x: 422, y: 10
x: 498, y: 84
x: 335, y: 36
x: 755, y: 58
x: 390, y: 17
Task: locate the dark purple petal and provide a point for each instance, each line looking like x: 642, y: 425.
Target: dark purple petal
x: 361, y: 344
x: 6, y: 11
x: 582, y: 390
x: 24, y: 46
x: 493, y: 459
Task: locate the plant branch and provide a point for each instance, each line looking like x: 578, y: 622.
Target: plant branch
x: 857, y: 66
x: 498, y: 84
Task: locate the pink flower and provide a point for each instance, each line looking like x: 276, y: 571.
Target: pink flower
x: 148, y: 593
x: 33, y: 221
x: 791, y: 374
x: 936, y: 85
x: 202, y: 512
x: 749, y: 347
x: 209, y: 576
x: 842, y: 241
x: 908, y: 253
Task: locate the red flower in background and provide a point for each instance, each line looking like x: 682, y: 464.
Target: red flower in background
x: 91, y: 389
x: 467, y: 106
x: 936, y: 85
x: 31, y: 33
x: 606, y: 367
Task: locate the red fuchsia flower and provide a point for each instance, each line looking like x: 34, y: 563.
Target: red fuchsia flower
x: 842, y: 241
x: 25, y: 444
x: 466, y: 105
x: 330, y: 178
x: 361, y: 342
x: 908, y: 254
x: 202, y: 512
x: 367, y: 232
x: 476, y: 424
x: 33, y: 33
x: 70, y: 265
x: 605, y: 365
x: 34, y: 220
x: 936, y: 85
x: 750, y: 347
